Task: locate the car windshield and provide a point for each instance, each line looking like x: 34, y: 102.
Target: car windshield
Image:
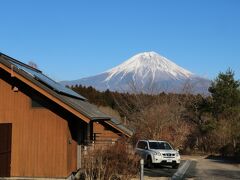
x: 159, y: 145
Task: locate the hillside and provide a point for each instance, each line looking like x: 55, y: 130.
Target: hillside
x: 148, y: 73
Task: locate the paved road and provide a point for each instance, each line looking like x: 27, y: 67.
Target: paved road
x: 161, y: 171
x: 215, y: 168
x: 197, y: 168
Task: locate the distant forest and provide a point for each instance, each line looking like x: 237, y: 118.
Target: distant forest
x: 192, y: 123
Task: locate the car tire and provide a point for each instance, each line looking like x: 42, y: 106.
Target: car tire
x: 175, y: 166
x: 149, y: 162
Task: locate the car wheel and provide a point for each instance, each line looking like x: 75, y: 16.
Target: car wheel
x: 149, y: 162
x: 175, y: 166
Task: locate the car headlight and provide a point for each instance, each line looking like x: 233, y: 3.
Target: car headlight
x: 157, y: 153
x: 177, y: 154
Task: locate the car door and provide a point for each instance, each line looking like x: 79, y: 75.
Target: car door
x: 145, y: 150
x: 139, y: 148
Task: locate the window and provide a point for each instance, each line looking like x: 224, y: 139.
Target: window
x: 142, y: 144
x: 145, y: 145
x: 38, y: 101
x: 159, y: 145
x: 36, y: 104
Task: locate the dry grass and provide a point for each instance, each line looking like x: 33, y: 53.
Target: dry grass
x: 116, y: 162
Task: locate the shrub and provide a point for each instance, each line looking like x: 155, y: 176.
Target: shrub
x: 115, y: 162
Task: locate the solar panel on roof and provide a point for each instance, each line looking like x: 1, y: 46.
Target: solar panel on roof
x: 49, y: 82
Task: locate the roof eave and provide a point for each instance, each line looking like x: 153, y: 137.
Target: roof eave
x: 119, y: 129
x: 25, y: 77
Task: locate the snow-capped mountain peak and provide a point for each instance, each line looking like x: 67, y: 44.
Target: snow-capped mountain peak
x: 146, y: 72
x: 149, y: 62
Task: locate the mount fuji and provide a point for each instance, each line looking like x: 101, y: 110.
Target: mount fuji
x: 146, y: 72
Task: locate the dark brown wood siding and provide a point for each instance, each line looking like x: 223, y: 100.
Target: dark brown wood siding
x: 40, y: 136
x: 5, y: 149
x: 104, y: 133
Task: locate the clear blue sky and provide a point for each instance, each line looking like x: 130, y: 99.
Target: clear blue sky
x: 70, y: 39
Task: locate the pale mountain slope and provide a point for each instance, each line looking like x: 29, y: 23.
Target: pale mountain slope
x: 146, y: 72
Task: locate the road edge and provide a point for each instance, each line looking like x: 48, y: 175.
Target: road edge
x: 181, y: 171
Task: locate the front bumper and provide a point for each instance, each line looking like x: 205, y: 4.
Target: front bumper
x: 165, y: 160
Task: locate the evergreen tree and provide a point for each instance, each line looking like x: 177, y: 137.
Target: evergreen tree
x: 226, y: 104
x: 225, y: 94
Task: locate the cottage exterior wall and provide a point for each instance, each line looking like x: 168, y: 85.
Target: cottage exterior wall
x: 42, y: 145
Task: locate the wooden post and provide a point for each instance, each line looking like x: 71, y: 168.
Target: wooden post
x: 142, y: 169
x: 79, y: 156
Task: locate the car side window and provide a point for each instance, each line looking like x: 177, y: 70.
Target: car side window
x: 139, y: 145
x: 142, y: 144
x: 145, y: 146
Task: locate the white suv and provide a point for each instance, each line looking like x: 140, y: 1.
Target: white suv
x: 158, y: 152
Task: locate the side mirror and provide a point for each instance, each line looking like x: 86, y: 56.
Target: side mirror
x: 177, y: 150
x: 146, y: 148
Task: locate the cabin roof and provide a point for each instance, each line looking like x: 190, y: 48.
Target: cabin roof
x: 59, y: 91
x: 117, y: 124
x: 62, y: 93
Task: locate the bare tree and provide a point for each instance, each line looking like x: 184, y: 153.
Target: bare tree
x: 33, y: 64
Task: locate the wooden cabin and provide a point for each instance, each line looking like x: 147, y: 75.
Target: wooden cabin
x: 105, y: 132
x: 43, y: 124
